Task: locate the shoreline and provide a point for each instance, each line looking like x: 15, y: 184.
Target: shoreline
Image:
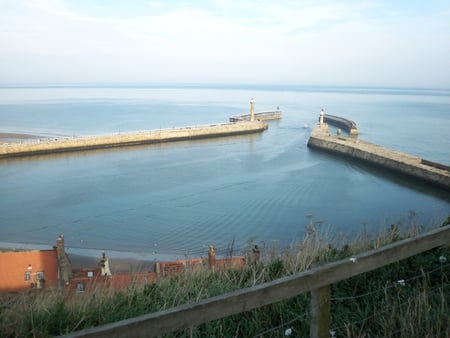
x: 4, y: 135
x: 120, y: 261
x: 18, y: 137
x: 117, y: 265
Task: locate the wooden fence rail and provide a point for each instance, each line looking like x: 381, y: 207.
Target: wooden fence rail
x: 190, y: 315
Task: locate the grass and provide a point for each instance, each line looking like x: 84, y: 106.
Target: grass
x: 406, y: 299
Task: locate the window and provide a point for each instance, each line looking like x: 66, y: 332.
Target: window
x: 27, y: 276
x: 40, y: 275
x: 80, y: 287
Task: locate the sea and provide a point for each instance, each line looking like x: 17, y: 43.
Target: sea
x: 175, y: 199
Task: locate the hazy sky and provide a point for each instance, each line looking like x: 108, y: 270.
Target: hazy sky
x: 374, y: 42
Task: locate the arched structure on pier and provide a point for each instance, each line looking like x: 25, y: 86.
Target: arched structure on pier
x: 341, y: 122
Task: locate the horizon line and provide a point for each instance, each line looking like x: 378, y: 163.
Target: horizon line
x: 205, y: 85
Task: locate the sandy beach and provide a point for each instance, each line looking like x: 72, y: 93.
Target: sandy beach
x: 17, y: 137
x: 116, y: 264
x: 89, y: 258
x: 125, y: 264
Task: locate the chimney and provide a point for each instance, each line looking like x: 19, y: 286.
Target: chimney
x: 60, y: 252
x: 64, y: 265
x: 104, y: 265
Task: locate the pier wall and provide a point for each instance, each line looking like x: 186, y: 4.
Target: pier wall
x: 129, y: 139
x: 341, y: 122
x: 409, y: 165
x: 261, y: 116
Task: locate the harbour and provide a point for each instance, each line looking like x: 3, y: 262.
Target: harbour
x: 174, y: 199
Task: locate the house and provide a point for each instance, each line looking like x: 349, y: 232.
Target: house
x: 91, y: 279
x: 171, y: 268
x: 35, y: 269
x: 87, y: 280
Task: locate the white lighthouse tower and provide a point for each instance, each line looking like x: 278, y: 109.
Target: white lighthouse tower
x: 252, y: 109
x: 321, y: 117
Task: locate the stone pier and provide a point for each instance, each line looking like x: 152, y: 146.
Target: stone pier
x: 412, y: 166
x: 130, y: 139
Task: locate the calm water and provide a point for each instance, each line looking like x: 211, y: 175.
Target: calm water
x: 178, y: 198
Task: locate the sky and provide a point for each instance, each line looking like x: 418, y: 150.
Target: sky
x: 308, y: 42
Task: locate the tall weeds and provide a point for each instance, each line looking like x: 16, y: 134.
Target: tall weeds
x: 406, y: 299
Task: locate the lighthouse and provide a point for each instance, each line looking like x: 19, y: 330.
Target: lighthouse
x: 321, y: 117
x: 252, y: 109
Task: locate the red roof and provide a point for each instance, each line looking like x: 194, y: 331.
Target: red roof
x: 93, y: 281
x: 26, y: 269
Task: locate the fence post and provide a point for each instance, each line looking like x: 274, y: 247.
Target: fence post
x: 256, y: 252
x: 212, y: 257
x: 320, y: 312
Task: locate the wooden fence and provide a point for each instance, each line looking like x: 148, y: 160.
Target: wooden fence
x: 316, y: 280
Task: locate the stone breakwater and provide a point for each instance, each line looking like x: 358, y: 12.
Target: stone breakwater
x: 262, y: 116
x: 129, y: 139
x: 412, y: 166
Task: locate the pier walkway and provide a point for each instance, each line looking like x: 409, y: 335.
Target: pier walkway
x: 8, y: 150
x: 261, y: 116
x: 412, y: 166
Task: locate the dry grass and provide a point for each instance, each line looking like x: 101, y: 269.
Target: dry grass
x: 386, y: 311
